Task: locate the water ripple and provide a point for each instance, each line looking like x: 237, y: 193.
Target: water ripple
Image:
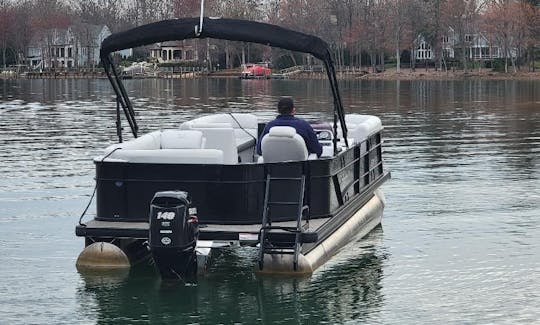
x: 459, y: 242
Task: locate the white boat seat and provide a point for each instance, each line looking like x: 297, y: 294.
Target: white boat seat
x: 220, y: 132
x: 245, y: 125
x: 166, y: 147
x: 360, y: 126
x: 282, y: 143
x: 236, y: 120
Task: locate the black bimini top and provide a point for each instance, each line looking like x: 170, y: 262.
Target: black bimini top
x: 218, y: 28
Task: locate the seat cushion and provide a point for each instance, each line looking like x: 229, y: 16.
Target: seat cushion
x: 169, y: 156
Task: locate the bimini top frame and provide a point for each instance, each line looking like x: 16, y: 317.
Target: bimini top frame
x: 218, y: 28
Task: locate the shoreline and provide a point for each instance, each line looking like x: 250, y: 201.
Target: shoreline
x: 432, y: 74
x: 388, y: 74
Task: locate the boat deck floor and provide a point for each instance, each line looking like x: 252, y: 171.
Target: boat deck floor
x: 243, y: 233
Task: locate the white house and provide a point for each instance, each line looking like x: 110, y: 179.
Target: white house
x: 76, y: 46
x: 476, y: 46
x: 174, y: 52
x: 422, y: 49
x: 480, y: 48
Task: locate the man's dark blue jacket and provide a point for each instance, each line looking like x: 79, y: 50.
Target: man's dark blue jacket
x: 302, y: 127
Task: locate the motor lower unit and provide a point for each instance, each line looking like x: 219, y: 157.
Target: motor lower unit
x: 173, y: 234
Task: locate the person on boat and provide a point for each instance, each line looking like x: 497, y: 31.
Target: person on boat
x: 286, y: 117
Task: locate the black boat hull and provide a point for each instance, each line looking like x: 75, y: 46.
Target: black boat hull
x: 234, y: 194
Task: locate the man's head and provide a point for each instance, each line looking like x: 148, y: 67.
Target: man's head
x: 285, y: 106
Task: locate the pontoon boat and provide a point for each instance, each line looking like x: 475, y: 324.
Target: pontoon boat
x: 177, y: 194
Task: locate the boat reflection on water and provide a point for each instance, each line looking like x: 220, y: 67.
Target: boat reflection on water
x: 107, y: 278
x: 346, y: 288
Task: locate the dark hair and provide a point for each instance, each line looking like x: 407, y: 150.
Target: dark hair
x: 285, y: 105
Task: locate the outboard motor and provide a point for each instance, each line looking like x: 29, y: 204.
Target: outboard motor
x: 173, y: 234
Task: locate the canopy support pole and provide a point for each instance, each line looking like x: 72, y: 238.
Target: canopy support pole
x: 198, y: 29
x: 338, y: 105
x: 118, y: 120
x: 121, y: 96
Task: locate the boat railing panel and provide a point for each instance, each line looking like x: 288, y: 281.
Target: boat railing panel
x: 229, y: 194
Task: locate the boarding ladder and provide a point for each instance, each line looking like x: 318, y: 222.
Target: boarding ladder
x: 283, y: 195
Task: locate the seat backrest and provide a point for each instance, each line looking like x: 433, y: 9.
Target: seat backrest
x: 217, y: 135
x: 195, y: 124
x: 245, y: 125
x: 181, y: 139
x: 361, y: 126
x: 222, y: 139
x: 282, y: 143
x: 237, y: 120
x: 150, y: 141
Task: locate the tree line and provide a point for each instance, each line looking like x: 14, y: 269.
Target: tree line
x: 360, y: 32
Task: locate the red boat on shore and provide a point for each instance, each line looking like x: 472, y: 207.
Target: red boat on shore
x: 252, y: 70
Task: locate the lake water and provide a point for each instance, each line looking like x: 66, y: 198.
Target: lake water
x: 460, y: 240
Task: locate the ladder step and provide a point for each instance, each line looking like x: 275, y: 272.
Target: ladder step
x: 279, y: 239
x: 288, y: 229
x: 279, y: 251
x: 277, y: 246
x: 285, y: 178
x: 283, y: 203
x: 281, y: 242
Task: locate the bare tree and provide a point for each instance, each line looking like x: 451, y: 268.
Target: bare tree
x: 351, y: 27
x: 505, y: 21
x: 531, y: 10
x: 22, y: 26
x: 435, y: 30
x: 100, y: 12
x: 397, y: 22
x: 6, y: 21
x: 48, y: 17
x: 463, y: 16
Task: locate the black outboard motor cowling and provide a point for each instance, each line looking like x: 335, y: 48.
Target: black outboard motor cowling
x: 173, y: 234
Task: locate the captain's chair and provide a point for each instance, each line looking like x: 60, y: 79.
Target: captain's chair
x: 282, y: 143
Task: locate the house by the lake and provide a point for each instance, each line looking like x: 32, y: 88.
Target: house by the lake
x: 477, y: 47
x: 74, y: 47
x: 422, y: 49
x: 175, y: 52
